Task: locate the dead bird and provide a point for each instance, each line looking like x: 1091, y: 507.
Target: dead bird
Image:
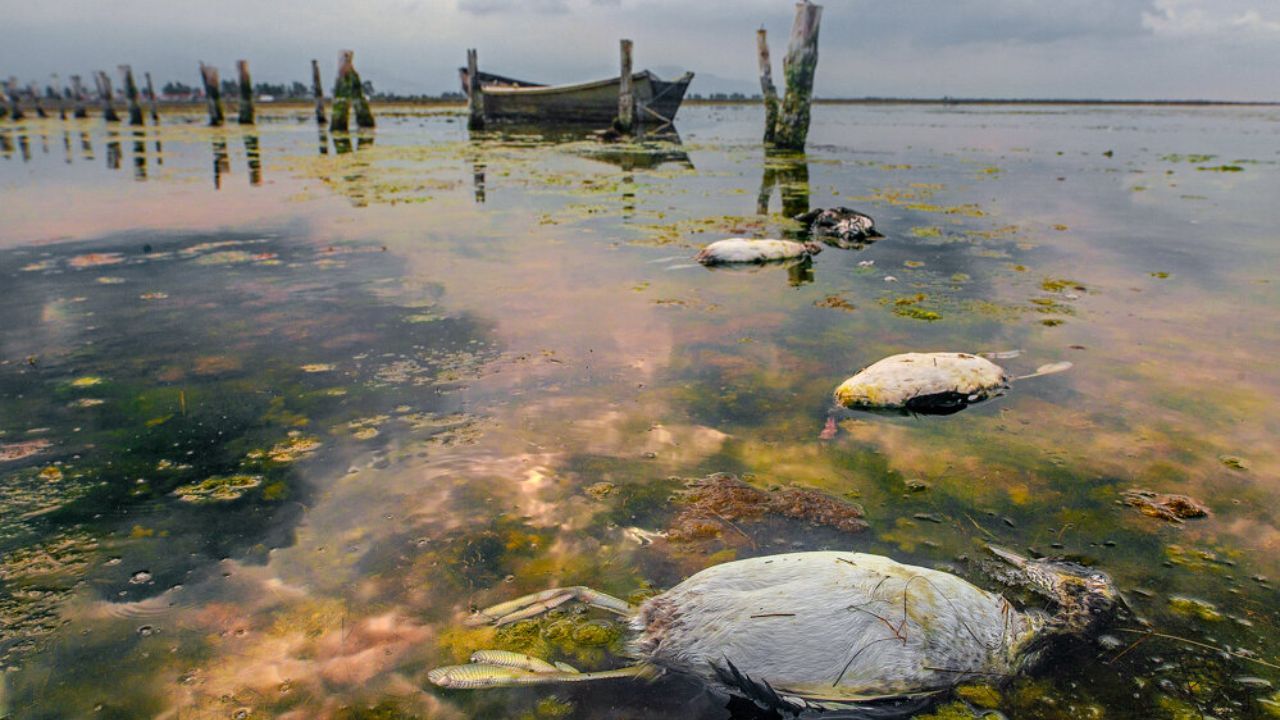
x: 822, y: 630
x: 841, y: 226
x: 747, y: 250
x: 930, y: 383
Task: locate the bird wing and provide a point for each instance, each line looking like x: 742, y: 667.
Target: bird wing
x: 858, y: 705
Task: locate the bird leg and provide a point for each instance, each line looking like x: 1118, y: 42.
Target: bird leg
x: 538, y: 603
x: 475, y: 676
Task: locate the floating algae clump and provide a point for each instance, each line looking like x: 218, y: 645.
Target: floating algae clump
x: 571, y: 635
x: 1193, y: 608
x: 218, y: 488
x: 921, y: 381
x: 714, y: 503
x: 290, y: 450
x: 1173, y: 508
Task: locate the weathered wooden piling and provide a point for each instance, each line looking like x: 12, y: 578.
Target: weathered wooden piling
x: 475, y: 100
x: 767, y: 89
x: 35, y: 100
x: 106, y: 96
x: 61, y: 97
x: 131, y: 94
x: 151, y: 95
x: 348, y: 96
x: 798, y: 67
x: 77, y: 97
x: 246, y: 93
x: 15, y: 102
x: 626, y: 120
x: 318, y: 89
x: 212, y: 93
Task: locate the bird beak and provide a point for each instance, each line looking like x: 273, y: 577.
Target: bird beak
x: 1008, y: 556
x: 1040, y: 576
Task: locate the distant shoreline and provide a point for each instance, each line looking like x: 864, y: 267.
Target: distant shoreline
x: 1003, y: 101
x: 453, y: 103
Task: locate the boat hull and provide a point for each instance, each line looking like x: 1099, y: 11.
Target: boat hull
x: 593, y: 103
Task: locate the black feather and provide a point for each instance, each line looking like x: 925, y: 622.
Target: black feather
x: 759, y: 692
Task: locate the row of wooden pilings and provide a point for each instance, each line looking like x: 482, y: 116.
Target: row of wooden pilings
x: 348, y: 96
x: 786, y: 122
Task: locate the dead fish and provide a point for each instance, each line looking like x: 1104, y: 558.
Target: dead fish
x: 746, y: 250
x: 826, y: 630
x: 930, y: 383
x: 841, y: 226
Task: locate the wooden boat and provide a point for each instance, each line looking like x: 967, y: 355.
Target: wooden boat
x: 507, y: 99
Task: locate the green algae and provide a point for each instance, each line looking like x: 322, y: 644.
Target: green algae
x: 1195, y: 608
x: 218, y: 488
x: 950, y: 711
x: 983, y: 696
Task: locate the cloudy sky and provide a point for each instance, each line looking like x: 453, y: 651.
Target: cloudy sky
x: 1216, y: 49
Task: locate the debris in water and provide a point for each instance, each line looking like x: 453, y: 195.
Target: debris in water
x: 714, y: 503
x: 835, y: 302
x: 1174, y: 508
x: 1233, y: 462
x: 20, y: 450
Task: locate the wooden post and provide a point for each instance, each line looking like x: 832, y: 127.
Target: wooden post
x: 626, y: 93
x: 338, y: 115
x: 348, y: 95
x: 319, y: 91
x: 151, y: 95
x: 799, y: 66
x: 11, y: 92
x: 77, y: 97
x: 475, y: 99
x: 359, y: 103
x: 62, y: 98
x: 767, y: 88
x: 212, y: 93
x: 105, y: 95
x: 246, y: 93
x: 131, y: 93
x: 35, y: 100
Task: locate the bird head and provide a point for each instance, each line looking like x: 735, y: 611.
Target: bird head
x: 1085, y: 598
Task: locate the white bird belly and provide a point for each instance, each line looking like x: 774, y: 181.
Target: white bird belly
x: 895, y: 380
x: 745, y: 250
x: 830, y: 623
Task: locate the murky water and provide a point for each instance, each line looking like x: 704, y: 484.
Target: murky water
x: 277, y: 408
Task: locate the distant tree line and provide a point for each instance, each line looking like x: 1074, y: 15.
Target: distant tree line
x: 724, y: 96
x: 294, y: 91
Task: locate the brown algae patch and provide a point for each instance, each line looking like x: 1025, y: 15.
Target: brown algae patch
x: 1173, y: 508
x: 712, y: 505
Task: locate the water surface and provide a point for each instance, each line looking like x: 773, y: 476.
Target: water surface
x: 277, y: 408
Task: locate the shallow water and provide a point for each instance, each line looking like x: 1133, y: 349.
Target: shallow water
x: 277, y: 408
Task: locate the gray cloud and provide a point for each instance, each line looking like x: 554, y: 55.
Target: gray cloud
x: 1223, y: 49
x: 489, y: 7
